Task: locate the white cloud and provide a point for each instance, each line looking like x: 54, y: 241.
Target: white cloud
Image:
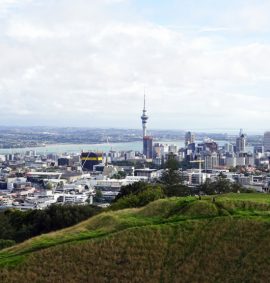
x: 27, y: 30
x: 85, y: 65
x: 248, y: 16
x: 5, y: 5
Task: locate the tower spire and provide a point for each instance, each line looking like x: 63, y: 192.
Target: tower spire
x: 144, y: 101
x: 144, y: 117
x: 241, y: 132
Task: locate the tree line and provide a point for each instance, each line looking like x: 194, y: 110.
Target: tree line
x: 17, y: 226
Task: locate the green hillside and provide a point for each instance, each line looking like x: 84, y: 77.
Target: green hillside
x: 170, y: 240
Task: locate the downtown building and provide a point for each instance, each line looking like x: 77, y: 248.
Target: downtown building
x: 90, y: 159
x: 241, y: 142
x: 266, y: 141
x: 148, y: 147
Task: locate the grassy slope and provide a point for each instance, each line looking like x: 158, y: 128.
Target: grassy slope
x: 171, y: 240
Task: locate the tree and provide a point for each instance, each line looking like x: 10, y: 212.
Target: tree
x: 119, y: 175
x: 98, y: 197
x: 18, y: 225
x: 6, y: 243
x: 178, y: 190
x: 171, y: 175
x: 172, y: 163
x: 149, y: 194
x: 207, y: 187
x: 220, y: 185
x: 49, y: 186
x: 233, y: 169
x: 134, y: 188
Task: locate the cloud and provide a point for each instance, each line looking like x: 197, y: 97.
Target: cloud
x: 5, y: 5
x: 88, y: 64
x: 248, y: 16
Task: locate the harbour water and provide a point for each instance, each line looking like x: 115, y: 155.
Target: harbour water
x: 104, y: 147
x: 77, y: 148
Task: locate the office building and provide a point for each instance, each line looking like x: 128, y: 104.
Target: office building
x: 266, y: 141
x: 63, y: 161
x: 228, y: 147
x: 148, y: 147
x: 89, y: 159
x: 173, y: 148
x: 211, y: 160
x: 189, y: 138
x: 241, y: 143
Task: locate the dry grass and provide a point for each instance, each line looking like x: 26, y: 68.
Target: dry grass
x: 171, y: 240
x: 221, y: 250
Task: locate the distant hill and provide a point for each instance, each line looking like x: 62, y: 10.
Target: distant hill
x: 225, y: 239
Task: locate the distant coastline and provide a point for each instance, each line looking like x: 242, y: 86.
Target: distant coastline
x: 78, y: 147
x: 60, y: 148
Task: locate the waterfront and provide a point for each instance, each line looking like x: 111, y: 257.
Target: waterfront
x: 104, y: 147
x: 76, y: 148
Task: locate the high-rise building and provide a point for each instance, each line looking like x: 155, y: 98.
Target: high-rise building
x: 211, y: 160
x: 241, y: 142
x: 90, y: 159
x: 228, y: 147
x: 158, y: 150
x: 210, y: 145
x: 266, y: 141
x: 189, y: 138
x: 148, y: 147
x: 173, y: 148
x: 259, y: 149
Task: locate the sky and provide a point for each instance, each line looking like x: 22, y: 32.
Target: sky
x: 204, y: 65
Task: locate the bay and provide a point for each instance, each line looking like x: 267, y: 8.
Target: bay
x: 104, y: 147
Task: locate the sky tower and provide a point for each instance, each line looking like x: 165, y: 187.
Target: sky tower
x: 144, y: 118
x: 147, y: 140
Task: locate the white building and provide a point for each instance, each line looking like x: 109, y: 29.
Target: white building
x: 241, y: 142
x: 231, y: 161
x: 173, y: 148
x: 229, y: 147
x: 240, y: 161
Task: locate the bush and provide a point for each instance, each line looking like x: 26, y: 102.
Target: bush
x: 177, y: 191
x: 6, y: 243
x: 18, y: 226
x: 149, y: 194
x: 134, y: 189
x: 220, y: 186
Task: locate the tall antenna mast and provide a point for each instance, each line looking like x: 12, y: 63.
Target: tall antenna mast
x: 144, y: 117
x: 144, y: 101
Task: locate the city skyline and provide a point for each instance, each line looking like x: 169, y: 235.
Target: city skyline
x: 203, y: 65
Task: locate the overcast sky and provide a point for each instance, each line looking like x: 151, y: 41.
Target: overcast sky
x: 205, y: 65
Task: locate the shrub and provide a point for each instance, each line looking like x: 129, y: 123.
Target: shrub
x: 149, y: 194
x: 6, y: 243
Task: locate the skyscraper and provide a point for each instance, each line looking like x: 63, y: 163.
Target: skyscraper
x: 266, y: 141
x: 148, y: 147
x: 189, y: 138
x: 241, y: 142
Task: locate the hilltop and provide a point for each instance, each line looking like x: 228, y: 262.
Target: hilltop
x: 225, y: 239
